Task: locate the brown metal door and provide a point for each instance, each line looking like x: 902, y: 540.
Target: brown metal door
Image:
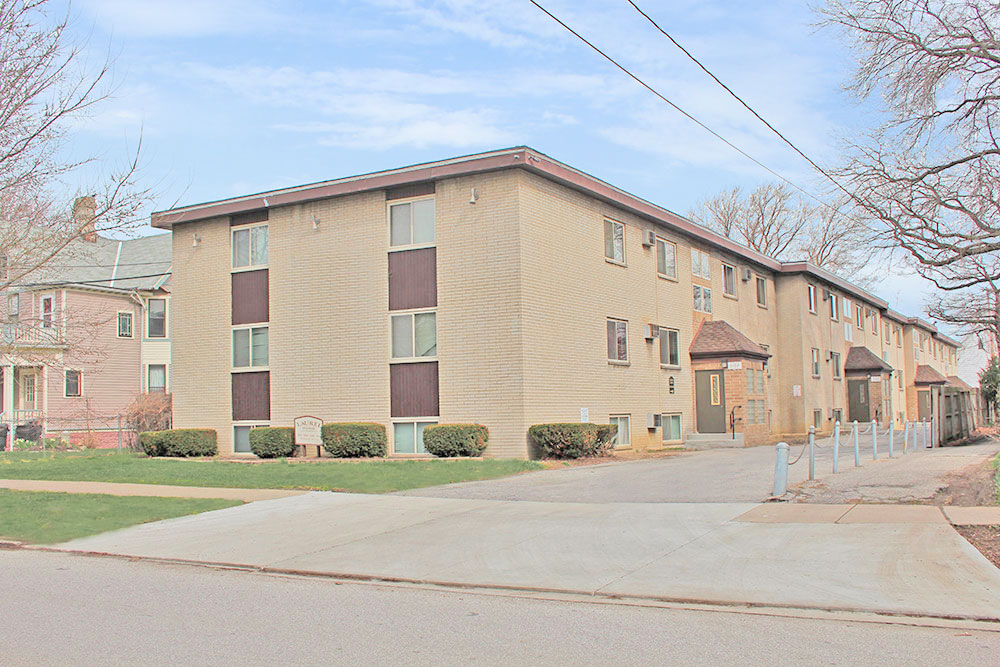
x: 924, y: 404
x: 857, y: 400
x: 710, y: 397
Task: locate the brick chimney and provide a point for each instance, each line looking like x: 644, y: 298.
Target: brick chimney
x: 84, y: 212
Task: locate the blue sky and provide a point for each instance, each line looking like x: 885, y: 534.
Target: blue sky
x: 239, y: 96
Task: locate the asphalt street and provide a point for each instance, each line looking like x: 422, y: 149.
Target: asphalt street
x: 75, y: 610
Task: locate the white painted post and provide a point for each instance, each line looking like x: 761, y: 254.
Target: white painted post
x: 874, y: 440
x: 923, y: 434
x: 906, y: 434
x: 812, y: 452
x: 891, y: 429
x: 935, y: 436
x: 857, y: 452
x: 836, y: 447
x: 780, y: 470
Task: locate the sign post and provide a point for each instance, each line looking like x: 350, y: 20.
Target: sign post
x: 309, y: 431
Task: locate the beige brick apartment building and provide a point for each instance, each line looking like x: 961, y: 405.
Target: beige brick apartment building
x: 509, y: 289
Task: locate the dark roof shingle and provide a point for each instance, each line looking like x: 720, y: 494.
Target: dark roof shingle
x: 860, y: 358
x: 927, y: 375
x: 718, y: 338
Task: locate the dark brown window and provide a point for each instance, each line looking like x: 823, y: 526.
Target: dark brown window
x: 413, y: 279
x: 414, y: 389
x: 250, y: 297
x: 251, y: 396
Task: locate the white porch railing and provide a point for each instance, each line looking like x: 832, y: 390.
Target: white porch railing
x: 25, y: 334
x: 20, y: 416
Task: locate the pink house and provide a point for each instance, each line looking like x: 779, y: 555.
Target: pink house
x: 80, y: 340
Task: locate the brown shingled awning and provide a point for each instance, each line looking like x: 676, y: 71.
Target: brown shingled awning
x: 718, y: 338
x: 927, y: 375
x: 958, y: 383
x: 861, y: 359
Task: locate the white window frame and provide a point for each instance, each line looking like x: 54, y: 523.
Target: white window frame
x: 758, y: 282
x: 250, y: 424
x: 14, y: 299
x: 834, y: 303
x: 701, y: 260
x: 815, y: 363
x: 413, y: 334
x: 617, y: 321
x: 732, y: 270
x: 131, y: 323
x: 662, y: 242
x: 166, y: 389
x: 835, y: 363
x: 704, y: 290
x: 812, y: 298
x: 250, y: 266
x: 677, y: 341
x: 614, y: 225
x: 66, y: 393
x: 51, y: 322
x: 390, y: 204
x: 166, y: 318
x: 617, y: 442
x: 232, y: 348
x: 428, y: 421
x: 663, y: 427
x: 846, y: 309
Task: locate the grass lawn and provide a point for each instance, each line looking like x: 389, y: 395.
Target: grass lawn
x: 48, y: 518
x: 353, y: 476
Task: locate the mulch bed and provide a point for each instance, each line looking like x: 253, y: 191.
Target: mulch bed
x: 984, y: 538
x: 974, y: 486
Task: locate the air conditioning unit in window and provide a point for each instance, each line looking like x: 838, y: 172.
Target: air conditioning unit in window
x: 652, y: 420
x: 650, y: 239
x: 652, y: 331
x: 746, y: 275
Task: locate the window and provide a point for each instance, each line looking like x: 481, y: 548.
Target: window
x: 860, y: 317
x: 838, y: 415
x: 250, y: 347
x: 760, y: 382
x: 885, y: 328
x: 761, y: 291
x: 48, y: 305
x: 700, y: 265
x: 874, y: 316
x: 73, y: 384
x: 835, y: 362
x: 815, y: 362
x: 249, y: 246
x: 408, y: 437
x: 156, y: 379
x: 899, y: 336
x: 617, y: 340
x: 847, y: 308
x: 666, y: 258
x: 622, y: 436
x: 614, y: 241
x: 751, y: 411
x: 702, y: 299
x: 817, y: 419
x: 414, y: 335
x: 669, y: 347
x: 848, y: 332
x: 156, y: 324
x: 4, y: 262
x: 750, y: 381
x: 241, y: 437
x: 671, y: 428
x: 812, y: 298
x: 124, y: 325
x: 412, y: 223
x: 833, y: 306
x: 899, y: 378
x: 716, y: 389
x: 728, y: 280
x: 13, y: 305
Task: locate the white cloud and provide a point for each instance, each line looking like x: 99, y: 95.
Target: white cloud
x: 183, y: 18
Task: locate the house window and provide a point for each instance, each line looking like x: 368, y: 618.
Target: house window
x: 751, y: 411
x: 750, y: 381
x: 124, y: 325
x: 848, y: 332
x: 700, y: 265
x: 622, y: 436
x: 899, y: 336
x: 833, y: 306
x: 760, y: 382
x: 73, y: 384
x: 728, y: 280
x: 716, y: 389
x: 666, y: 258
x: 156, y: 321
x: 761, y: 291
x: 614, y: 241
x: 250, y: 246
x: 156, y: 379
x: 847, y: 308
x: 13, y: 305
x: 671, y: 428
x: 241, y: 437
x: 873, y: 316
x: 885, y: 328
x: 669, y: 347
x: 860, y: 317
x: 702, y: 299
x: 414, y: 335
x: 412, y: 223
x: 3, y: 267
x: 899, y: 378
x: 835, y: 362
x: 817, y: 419
x: 812, y: 298
x: 250, y: 347
x: 617, y: 340
x: 48, y: 303
x: 408, y: 437
x: 815, y: 362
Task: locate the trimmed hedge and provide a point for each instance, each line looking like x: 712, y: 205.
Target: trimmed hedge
x: 353, y: 440
x: 272, y: 442
x: 456, y: 439
x: 572, y: 440
x: 180, y: 442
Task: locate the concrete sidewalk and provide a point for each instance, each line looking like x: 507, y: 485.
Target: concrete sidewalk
x: 163, y: 490
x: 890, y: 560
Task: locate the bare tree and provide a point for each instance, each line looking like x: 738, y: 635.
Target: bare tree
x: 930, y: 175
x: 973, y: 310
x: 769, y: 220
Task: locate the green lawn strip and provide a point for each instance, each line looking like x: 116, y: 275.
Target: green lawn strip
x: 42, y: 517
x: 353, y: 476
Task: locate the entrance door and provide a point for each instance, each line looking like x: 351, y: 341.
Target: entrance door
x: 857, y: 400
x: 924, y: 404
x: 28, y: 391
x: 710, y: 398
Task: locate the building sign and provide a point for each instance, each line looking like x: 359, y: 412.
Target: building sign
x: 796, y: 390
x: 308, y: 431
x: 734, y: 365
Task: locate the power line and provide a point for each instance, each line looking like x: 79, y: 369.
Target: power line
x: 67, y: 283
x: 678, y: 108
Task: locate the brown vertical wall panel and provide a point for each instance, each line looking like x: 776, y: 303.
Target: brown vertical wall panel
x: 413, y: 279
x: 414, y: 190
x: 250, y: 297
x: 248, y: 218
x: 414, y: 389
x: 251, y: 396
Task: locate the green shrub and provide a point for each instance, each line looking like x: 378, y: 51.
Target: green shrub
x: 22, y: 445
x: 348, y: 440
x: 180, y: 442
x: 572, y: 440
x: 272, y: 442
x: 456, y: 439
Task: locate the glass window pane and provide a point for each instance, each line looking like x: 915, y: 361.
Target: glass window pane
x: 624, y: 437
x: 423, y: 221
x: 622, y: 341
x: 157, y: 380
x: 258, y: 245
x: 669, y: 260
x: 609, y: 239
x: 420, y: 437
x: 241, y: 348
x: 708, y: 299
x: 611, y: 339
x: 425, y: 334
x: 399, y: 224
x: 403, y: 438
x: 619, y: 245
x: 241, y: 438
x: 241, y: 247
x: 698, y: 305
x: 402, y: 336
x: 661, y: 257
x: 260, y: 349
x: 156, y: 326
x: 675, y: 356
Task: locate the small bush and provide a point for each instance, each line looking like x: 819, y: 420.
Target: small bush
x: 180, y: 442
x: 22, y: 445
x: 31, y: 431
x: 572, y: 440
x: 148, y: 412
x: 456, y: 439
x: 348, y: 440
x: 272, y: 442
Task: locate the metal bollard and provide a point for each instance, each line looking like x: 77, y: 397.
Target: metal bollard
x: 780, y: 470
x: 892, y: 427
x: 836, y: 447
x: 812, y: 452
x: 857, y: 451
x: 906, y: 434
x: 935, y: 438
x: 874, y: 440
x: 923, y: 434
